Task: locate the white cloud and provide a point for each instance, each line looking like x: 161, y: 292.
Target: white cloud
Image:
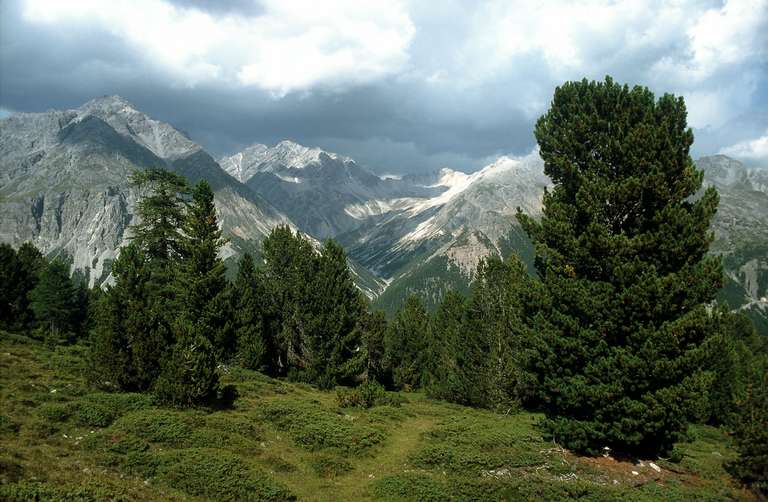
x: 290, y: 46
x: 755, y: 149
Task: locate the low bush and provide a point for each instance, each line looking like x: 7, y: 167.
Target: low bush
x: 368, y: 394
x: 315, y: 428
x: 168, y: 427
x: 327, y: 466
x: 218, y: 475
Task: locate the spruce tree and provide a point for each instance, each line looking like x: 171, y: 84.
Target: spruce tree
x: 406, y: 342
x: 336, y: 343
x: 750, y: 432
x: 453, y: 358
x: 55, y: 303
x: 374, y: 332
x: 200, y: 281
x: 503, y: 297
x: 248, y: 317
x: 291, y: 266
x: 131, y: 338
x: 621, y: 251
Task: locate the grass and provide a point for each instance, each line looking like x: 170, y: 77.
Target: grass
x: 61, y: 440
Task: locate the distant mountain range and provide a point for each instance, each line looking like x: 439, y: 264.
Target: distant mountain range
x: 63, y: 186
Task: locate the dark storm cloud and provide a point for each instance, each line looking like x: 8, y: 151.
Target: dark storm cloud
x: 455, y: 101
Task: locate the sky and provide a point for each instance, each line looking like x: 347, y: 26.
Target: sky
x: 401, y: 86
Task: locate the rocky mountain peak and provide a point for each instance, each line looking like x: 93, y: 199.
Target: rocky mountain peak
x: 160, y: 138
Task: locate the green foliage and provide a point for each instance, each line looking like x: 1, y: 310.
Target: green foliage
x: 248, y: 317
x: 215, y: 474
x: 374, y: 327
x: 327, y: 466
x: 160, y: 212
x: 736, y: 351
x: 26, y: 490
x: 621, y: 252
x: 479, y: 443
x: 200, y: 284
x: 312, y: 310
x: 19, y: 274
x: 315, y: 428
x: 370, y: 393
x: 56, y: 303
x: 189, y: 376
x: 405, y: 344
x: 751, y: 432
x: 171, y: 428
x: 131, y: 338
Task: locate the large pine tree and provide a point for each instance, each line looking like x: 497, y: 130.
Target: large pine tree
x: 291, y: 265
x: 200, y: 282
x: 161, y: 212
x: 340, y: 309
x: 622, y: 252
x: 131, y: 338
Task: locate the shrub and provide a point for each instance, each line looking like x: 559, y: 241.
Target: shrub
x: 160, y: 426
x: 367, y: 395
x: 218, y: 475
x: 55, y: 412
x: 330, y: 467
x: 315, y: 428
x: 189, y: 377
x: 92, y: 414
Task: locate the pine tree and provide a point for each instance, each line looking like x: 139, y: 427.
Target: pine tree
x: 248, y: 317
x: 161, y: 214
x: 453, y: 358
x: 621, y: 251
x: 200, y: 281
x: 374, y: 327
x: 336, y: 343
x: 131, y: 338
x: 406, y: 341
x: 291, y: 265
x: 54, y: 301
x: 751, y: 433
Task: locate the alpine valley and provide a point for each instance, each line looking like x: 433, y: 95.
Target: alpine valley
x: 64, y: 187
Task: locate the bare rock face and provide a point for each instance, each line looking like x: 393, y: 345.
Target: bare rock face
x: 64, y: 181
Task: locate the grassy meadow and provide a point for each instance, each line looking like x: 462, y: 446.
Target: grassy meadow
x: 63, y: 440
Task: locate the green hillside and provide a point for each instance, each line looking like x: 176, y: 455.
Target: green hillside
x: 62, y: 440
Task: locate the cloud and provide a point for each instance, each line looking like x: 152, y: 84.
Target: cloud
x: 288, y: 46
x: 750, y: 150
x: 402, y: 86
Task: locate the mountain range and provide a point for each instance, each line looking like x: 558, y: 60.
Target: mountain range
x: 64, y: 186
